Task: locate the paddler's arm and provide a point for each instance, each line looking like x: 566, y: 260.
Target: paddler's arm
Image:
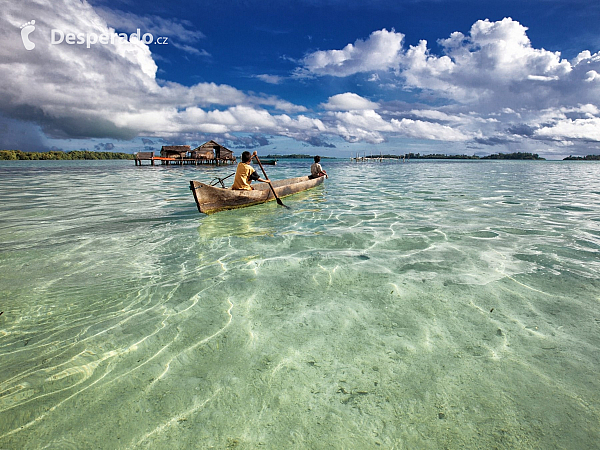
x: 254, y: 177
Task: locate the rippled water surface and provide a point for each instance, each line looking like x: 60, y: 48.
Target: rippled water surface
x: 431, y: 304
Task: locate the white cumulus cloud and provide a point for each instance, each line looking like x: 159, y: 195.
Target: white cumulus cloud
x: 73, y: 91
x: 494, y: 85
x: 381, y: 51
x: 348, y: 102
x: 492, y: 69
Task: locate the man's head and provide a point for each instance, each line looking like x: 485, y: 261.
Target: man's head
x: 317, y: 159
x: 246, y: 157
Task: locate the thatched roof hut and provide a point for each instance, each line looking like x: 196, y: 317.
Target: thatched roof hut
x: 203, y: 153
x: 174, y: 151
x: 215, y: 150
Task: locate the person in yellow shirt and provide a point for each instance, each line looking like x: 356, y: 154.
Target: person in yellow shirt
x: 245, y: 173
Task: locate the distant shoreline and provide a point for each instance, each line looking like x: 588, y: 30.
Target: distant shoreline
x: 14, y: 155
x: 502, y: 156
x: 582, y: 158
x: 298, y: 156
x: 517, y: 156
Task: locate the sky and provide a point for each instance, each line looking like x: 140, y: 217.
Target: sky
x: 327, y: 77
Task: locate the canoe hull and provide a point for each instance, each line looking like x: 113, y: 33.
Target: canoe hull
x: 212, y: 199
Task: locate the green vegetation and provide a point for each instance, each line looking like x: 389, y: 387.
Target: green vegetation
x: 59, y: 155
x: 295, y: 156
x: 582, y: 158
x: 517, y: 155
x: 437, y: 156
x: 84, y: 154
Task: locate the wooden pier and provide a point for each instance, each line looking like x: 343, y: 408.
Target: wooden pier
x: 144, y: 156
x: 181, y: 161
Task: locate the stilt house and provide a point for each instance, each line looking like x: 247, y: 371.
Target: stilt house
x: 174, y: 151
x: 213, y: 150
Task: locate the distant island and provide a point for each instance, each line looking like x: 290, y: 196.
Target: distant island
x: 88, y: 155
x: 510, y: 156
x: 295, y: 156
x: 582, y: 158
x: 517, y: 155
x: 60, y: 155
x: 419, y: 156
x: 513, y: 156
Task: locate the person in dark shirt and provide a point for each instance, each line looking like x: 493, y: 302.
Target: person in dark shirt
x: 316, y: 170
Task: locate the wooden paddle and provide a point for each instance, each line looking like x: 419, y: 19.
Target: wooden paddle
x: 279, y: 202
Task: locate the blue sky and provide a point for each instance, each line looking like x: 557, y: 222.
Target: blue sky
x: 303, y: 76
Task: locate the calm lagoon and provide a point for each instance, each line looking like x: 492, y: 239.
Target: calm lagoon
x: 427, y: 304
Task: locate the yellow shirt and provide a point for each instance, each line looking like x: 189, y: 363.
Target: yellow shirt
x: 242, y: 175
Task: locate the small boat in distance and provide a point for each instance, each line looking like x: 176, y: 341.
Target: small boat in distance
x: 269, y: 162
x: 212, y: 199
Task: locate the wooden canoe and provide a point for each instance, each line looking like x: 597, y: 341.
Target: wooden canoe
x: 212, y: 199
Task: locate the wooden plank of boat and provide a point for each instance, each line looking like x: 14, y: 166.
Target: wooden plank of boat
x: 212, y: 199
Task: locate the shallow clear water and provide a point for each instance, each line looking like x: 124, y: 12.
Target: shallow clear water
x: 431, y: 304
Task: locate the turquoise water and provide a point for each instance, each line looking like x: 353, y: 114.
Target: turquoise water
x: 431, y: 304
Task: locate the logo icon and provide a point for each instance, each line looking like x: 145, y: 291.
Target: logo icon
x: 26, y: 30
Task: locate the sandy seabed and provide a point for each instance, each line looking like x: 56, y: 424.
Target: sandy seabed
x: 454, y: 307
